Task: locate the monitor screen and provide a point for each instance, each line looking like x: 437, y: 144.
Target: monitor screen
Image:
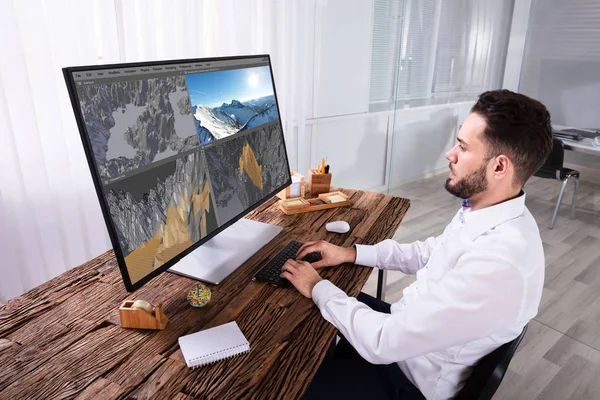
x: 179, y: 150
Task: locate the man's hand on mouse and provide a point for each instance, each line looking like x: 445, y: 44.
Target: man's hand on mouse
x: 330, y: 254
x: 302, y: 275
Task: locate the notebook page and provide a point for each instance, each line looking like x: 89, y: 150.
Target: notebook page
x: 213, y: 344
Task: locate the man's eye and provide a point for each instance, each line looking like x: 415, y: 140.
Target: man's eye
x: 460, y: 146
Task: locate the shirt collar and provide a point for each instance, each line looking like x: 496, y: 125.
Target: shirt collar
x: 481, y: 221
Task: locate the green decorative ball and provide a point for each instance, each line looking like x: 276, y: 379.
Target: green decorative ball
x: 199, y: 295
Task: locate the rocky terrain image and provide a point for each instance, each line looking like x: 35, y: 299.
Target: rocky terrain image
x: 161, y: 212
x: 135, y: 123
x: 247, y: 168
x: 250, y: 167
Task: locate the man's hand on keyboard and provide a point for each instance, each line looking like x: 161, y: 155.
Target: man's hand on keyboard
x: 302, y: 275
x: 330, y: 254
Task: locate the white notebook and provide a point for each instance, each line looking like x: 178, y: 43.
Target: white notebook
x: 214, y: 344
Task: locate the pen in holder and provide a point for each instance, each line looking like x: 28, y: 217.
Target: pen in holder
x: 318, y: 183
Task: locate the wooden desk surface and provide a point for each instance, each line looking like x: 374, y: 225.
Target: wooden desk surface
x: 63, y: 339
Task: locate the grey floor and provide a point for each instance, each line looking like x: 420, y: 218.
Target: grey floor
x: 559, y: 357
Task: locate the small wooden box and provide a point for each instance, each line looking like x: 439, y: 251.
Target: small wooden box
x: 318, y: 183
x: 285, y: 193
x: 140, y: 319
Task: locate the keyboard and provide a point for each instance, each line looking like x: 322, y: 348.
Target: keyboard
x: 272, y: 269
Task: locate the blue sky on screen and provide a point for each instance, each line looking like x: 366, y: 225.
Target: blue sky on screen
x: 212, y: 89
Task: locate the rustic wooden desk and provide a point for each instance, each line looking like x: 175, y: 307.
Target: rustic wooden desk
x: 63, y: 339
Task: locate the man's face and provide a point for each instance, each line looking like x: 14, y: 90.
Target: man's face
x: 468, y: 160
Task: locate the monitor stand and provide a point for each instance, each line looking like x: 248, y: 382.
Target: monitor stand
x: 220, y: 256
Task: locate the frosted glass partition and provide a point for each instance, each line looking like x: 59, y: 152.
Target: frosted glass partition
x: 340, y: 126
x: 447, y: 53
x: 561, y: 62
x: 356, y: 150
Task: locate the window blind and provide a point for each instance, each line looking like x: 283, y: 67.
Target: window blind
x: 471, y: 47
x: 445, y: 49
x: 387, y: 15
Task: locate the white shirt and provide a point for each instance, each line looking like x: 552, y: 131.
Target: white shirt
x: 478, y: 284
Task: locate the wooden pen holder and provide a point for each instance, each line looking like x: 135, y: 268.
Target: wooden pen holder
x: 141, y: 319
x: 318, y: 183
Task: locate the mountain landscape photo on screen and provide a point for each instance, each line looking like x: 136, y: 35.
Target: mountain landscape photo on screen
x: 230, y: 101
x: 135, y: 123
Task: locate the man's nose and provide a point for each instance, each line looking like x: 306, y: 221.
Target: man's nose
x: 451, y: 155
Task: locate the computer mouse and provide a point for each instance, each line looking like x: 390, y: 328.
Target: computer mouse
x: 338, y: 227
x: 312, y: 257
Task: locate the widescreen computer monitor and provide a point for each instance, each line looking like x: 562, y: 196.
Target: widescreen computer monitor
x: 179, y: 151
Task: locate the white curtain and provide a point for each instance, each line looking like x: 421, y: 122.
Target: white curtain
x: 50, y: 219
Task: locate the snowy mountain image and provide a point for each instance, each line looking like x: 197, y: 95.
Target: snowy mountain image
x: 210, y: 127
x: 230, y: 101
x: 268, y: 114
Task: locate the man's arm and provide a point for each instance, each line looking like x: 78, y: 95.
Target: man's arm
x: 408, y: 258
x: 480, y: 295
x: 389, y: 254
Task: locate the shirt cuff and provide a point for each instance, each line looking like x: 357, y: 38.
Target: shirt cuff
x: 366, y: 255
x: 323, y: 291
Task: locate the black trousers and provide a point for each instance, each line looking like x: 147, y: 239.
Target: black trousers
x: 344, y: 374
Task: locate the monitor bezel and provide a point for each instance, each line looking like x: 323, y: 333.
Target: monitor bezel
x: 112, y: 232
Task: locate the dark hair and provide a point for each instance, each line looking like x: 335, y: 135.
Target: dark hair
x: 518, y: 127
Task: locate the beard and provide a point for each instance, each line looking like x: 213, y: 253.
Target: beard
x: 469, y: 186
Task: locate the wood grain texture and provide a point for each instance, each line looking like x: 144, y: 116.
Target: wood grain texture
x: 63, y: 340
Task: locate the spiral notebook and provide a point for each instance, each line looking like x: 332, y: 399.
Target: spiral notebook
x: 214, y: 344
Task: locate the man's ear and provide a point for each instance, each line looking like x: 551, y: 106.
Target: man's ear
x: 502, y: 165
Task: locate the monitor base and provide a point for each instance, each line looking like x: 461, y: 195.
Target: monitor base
x: 220, y: 256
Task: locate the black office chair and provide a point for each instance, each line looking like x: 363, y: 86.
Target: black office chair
x: 553, y: 169
x: 489, y: 371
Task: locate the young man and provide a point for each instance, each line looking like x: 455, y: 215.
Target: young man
x: 478, y: 283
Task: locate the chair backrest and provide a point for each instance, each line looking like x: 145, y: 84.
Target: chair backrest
x: 556, y: 157
x: 489, y: 371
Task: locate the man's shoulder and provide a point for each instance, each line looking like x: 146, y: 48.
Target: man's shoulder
x: 517, y: 241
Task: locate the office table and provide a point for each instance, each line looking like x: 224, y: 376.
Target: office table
x: 582, y: 146
x: 63, y: 339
